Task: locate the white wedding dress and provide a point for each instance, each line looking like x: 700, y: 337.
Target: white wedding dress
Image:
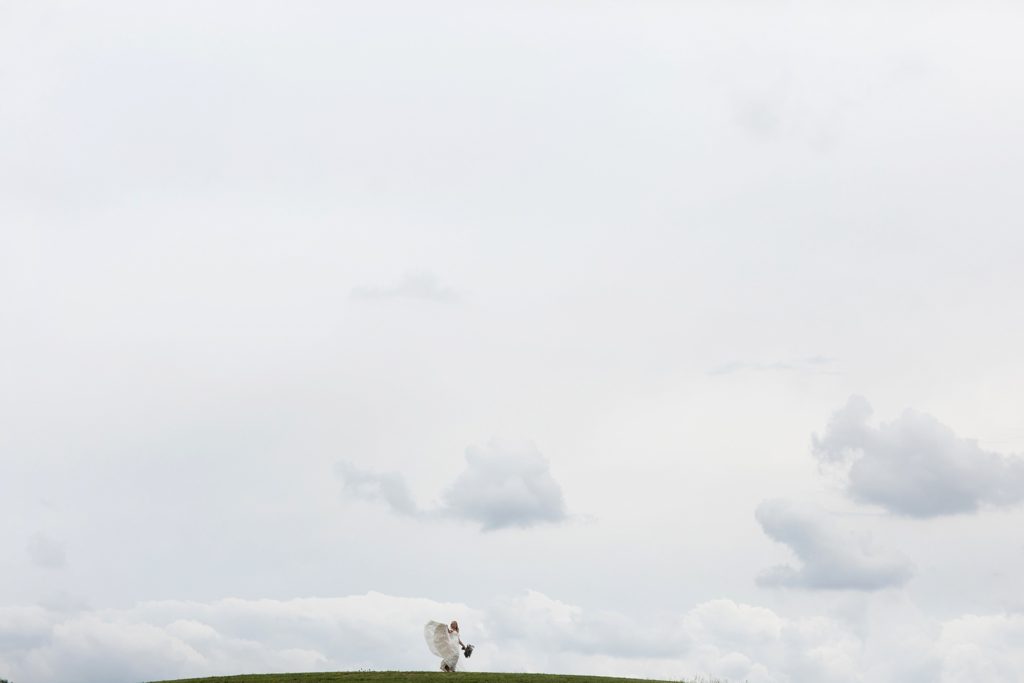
x: 442, y: 643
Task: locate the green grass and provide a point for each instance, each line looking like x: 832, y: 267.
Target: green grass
x: 408, y: 677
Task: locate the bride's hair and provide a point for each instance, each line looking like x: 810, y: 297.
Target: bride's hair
x: 454, y: 625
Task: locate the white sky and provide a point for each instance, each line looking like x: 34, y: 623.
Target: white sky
x: 565, y: 288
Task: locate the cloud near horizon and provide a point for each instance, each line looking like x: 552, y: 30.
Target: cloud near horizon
x: 502, y: 486
x: 529, y: 632
x: 915, y: 465
x: 829, y: 558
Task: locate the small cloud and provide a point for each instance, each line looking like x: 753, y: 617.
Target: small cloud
x: 829, y: 558
x: 811, y: 365
x: 915, y: 465
x: 46, y: 552
x: 721, y: 638
x: 502, y: 486
x: 389, y: 487
x: 506, y: 485
x: 423, y: 286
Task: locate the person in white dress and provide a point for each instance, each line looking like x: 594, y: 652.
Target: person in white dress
x: 444, y: 641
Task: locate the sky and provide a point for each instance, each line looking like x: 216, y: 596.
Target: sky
x: 648, y: 338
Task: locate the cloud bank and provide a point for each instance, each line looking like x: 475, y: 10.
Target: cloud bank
x: 530, y: 632
x: 915, y: 465
x: 829, y: 559
x: 502, y: 486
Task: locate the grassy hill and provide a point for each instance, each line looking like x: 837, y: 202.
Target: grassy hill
x: 408, y: 677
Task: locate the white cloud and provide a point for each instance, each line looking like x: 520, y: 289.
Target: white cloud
x: 172, y: 639
x: 388, y: 486
x: 503, y: 485
x: 982, y: 648
x: 915, y: 465
x: 749, y: 643
x: 829, y: 559
x: 534, y: 617
x: 424, y: 286
x: 506, y: 485
x: 530, y: 632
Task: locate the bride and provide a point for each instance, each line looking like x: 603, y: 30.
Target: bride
x: 444, y: 641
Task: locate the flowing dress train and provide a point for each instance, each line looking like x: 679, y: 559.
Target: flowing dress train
x: 443, y: 644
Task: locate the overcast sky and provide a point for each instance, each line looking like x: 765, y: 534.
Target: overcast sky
x: 645, y: 338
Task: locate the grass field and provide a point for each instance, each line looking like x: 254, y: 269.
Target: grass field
x: 408, y: 677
